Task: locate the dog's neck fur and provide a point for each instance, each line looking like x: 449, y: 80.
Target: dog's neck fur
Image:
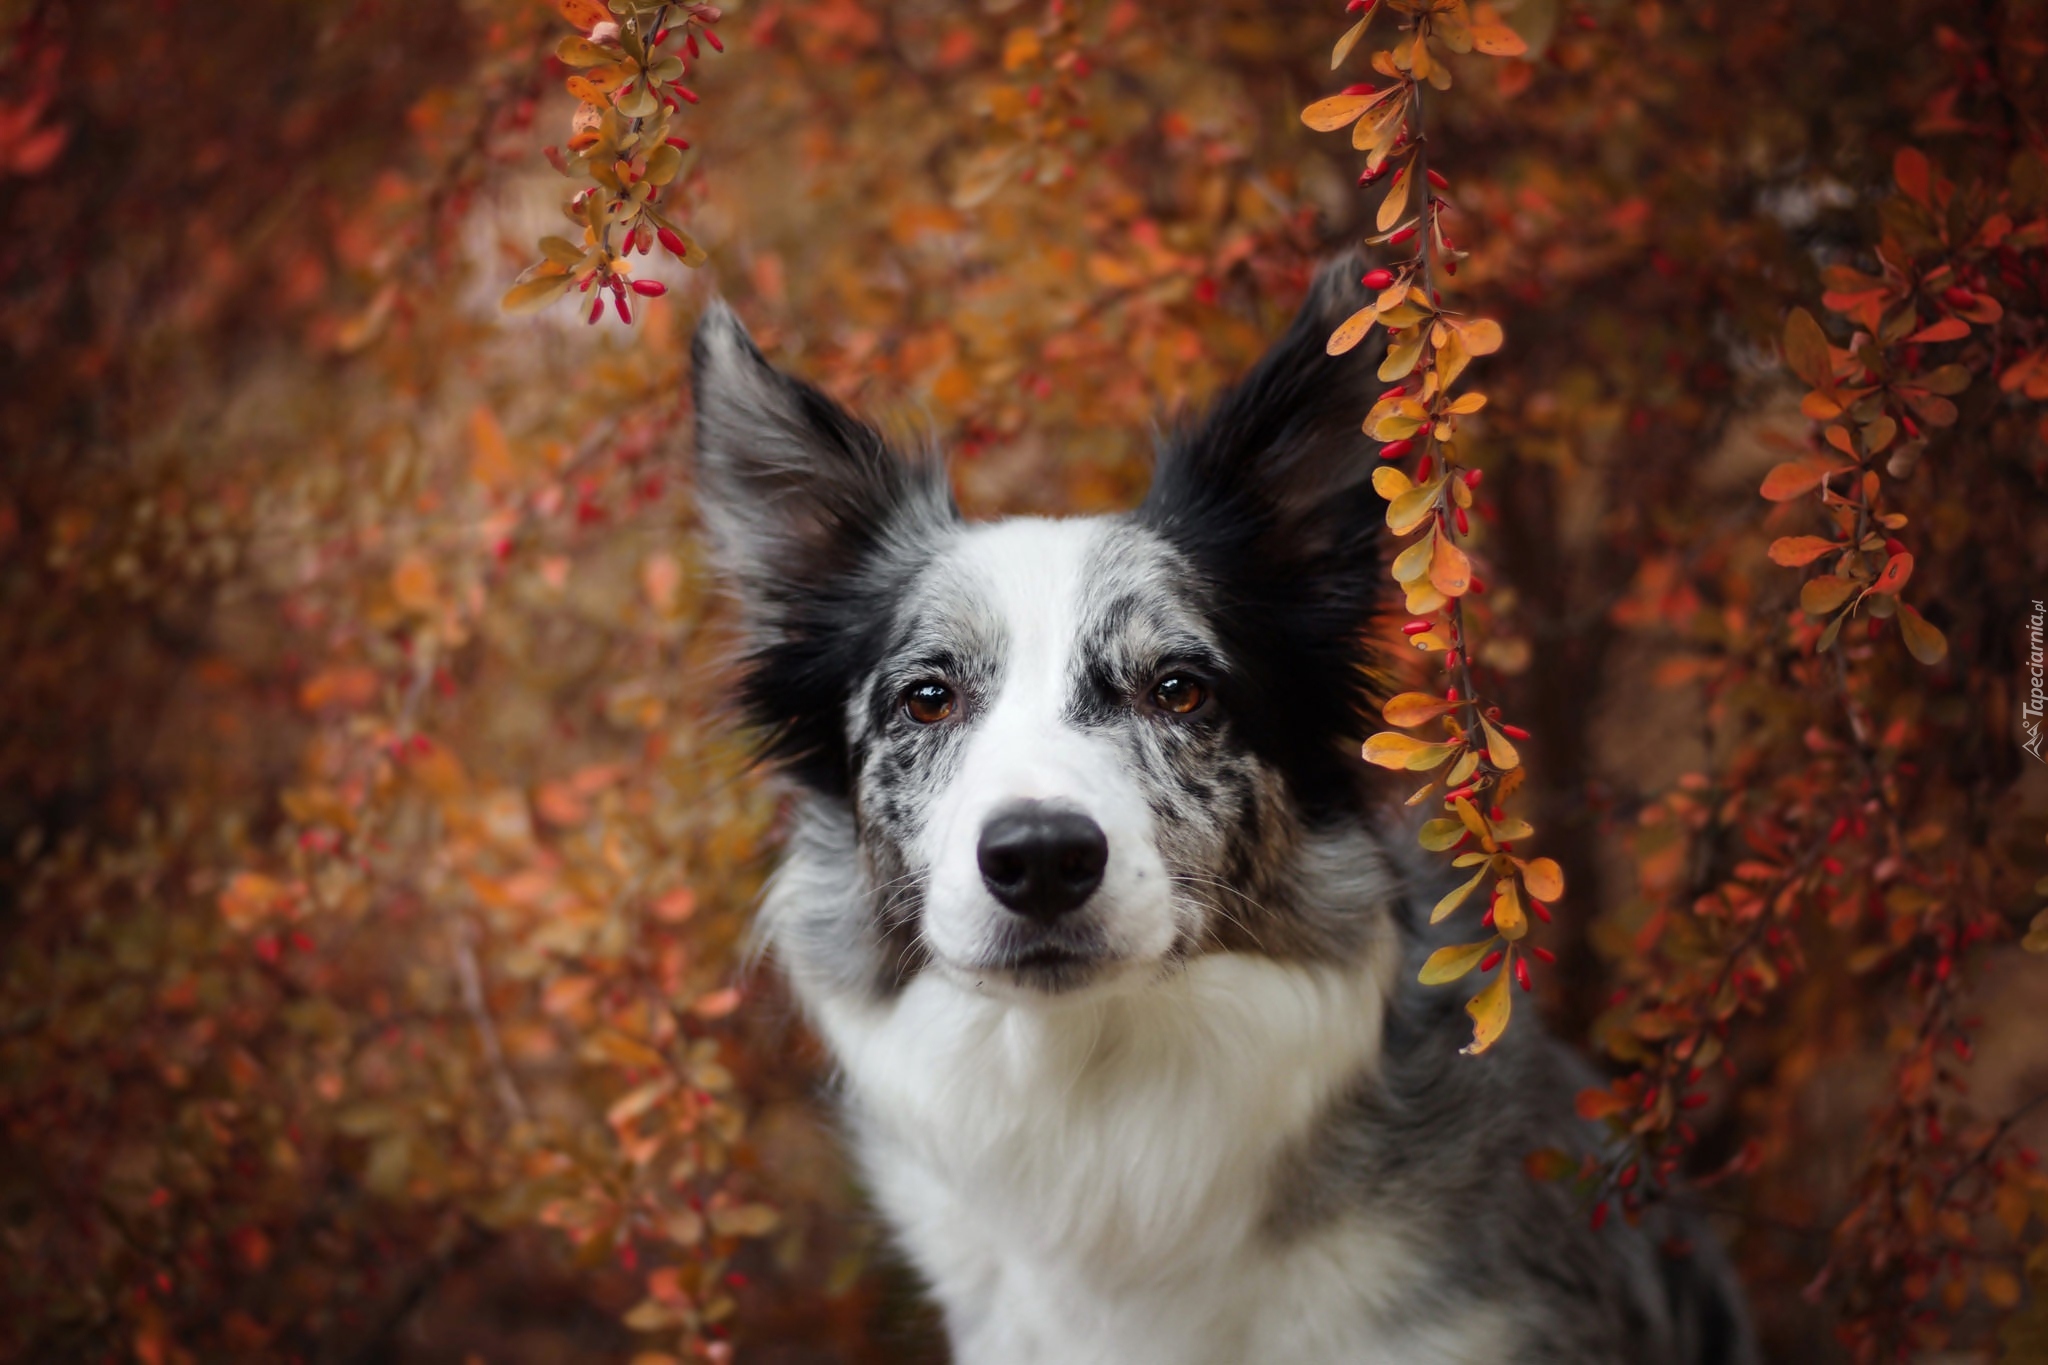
x: 1082, y: 1178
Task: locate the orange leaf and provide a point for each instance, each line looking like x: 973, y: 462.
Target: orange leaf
x: 1498, y: 40
x: 1352, y: 330
x: 1450, y: 569
x: 1798, y: 551
x: 1923, y: 639
x: 1787, y: 481
x: 1326, y: 116
x: 1897, y: 570
x: 1946, y: 329
x: 1806, y: 350
x: 1415, y: 708
x: 1915, y: 177
x: 1544, y: 879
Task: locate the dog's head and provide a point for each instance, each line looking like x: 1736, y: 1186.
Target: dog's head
x: 1056, y: 753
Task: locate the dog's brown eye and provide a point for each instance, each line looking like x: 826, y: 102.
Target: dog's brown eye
x: 927, y: 703
x: 1179, y: 694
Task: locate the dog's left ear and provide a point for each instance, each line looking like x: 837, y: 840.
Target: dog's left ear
x: 813, y: 517
x: 1270, y: 498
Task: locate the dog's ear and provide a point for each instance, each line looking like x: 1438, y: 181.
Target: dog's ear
x: 814, y: 518
x: 1270, y: 498
x: 793, y: 488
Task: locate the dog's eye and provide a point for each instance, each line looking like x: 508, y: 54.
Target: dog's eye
x: 927, y: 703
x: 1178, y: 694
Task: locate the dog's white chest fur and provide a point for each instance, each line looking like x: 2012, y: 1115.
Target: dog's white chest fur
x: 1089, y: 1181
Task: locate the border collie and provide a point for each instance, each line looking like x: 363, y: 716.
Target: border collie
x: 1090, y: 898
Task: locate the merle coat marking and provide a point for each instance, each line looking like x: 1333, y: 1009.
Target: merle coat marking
x: 1086, y: 894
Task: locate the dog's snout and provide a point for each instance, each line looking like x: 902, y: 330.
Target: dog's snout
x: 1041, y: 860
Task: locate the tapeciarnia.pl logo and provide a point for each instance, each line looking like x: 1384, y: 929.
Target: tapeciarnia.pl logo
x: 2037, y: 696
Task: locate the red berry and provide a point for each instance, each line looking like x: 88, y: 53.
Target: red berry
x: 1522, y: 973
x: 1438, y: 180
x: 671, y: 241
x: 1404, y: 235
x: 1544, y: 955
x: 660, y: 36
x: 1464, y: 522
x: 1957, y: 297
x: 679, y: 143
x: 652, y: 289
x: 1361, y: 88
x: 1394, y: 450
x: 1514, y: 732
x: 625, y: 313
x: 687, y: 93
x: 1473, y: 476
x: 1416, y: 627
x: 712, y: 38
x: 1490, y: 961
x: 1450, y: 267
x: 596, y: 309
x: 1376, y: 279
x: 1894, y: 546
x: 1358, y: 6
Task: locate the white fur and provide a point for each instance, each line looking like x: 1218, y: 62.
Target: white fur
x: 1083, y: 1181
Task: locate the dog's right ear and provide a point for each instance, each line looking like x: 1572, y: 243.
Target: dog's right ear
x: 815, y: 519
x: 794, y: 490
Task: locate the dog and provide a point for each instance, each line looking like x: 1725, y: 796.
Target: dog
x: 1107, y: 932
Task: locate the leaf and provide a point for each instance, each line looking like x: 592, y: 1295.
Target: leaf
x: 1390, y: 483
x: 1544, y: 879
x: 1795, y: 552
x: 1412, y: 564
x: 1450, y: 569
x: 535, y: 294
x: 1806, y: 351
x: 1499, y: 752
x: 1498, y: 40
x: 1946, y: 329
x: 1412, y: 508
x: 1923, y: 639
x: 1915, y: 177
x: 584, y: 14
x: 1789, y: 480
x: 1441, y: 834
x: 744, y: 1220
x: 1352, y: 330
x: 1897, y: 570
x: 1489, y: 1010
x: 1395, y: 203
x: 1415, y: 708
x: 1467, y: 403
x: 1948, y: 379
x: 1338, y: 111
x: 1401, y: 358
x: 582, y: 52
x: 1480, y: 336
x: 1823, y: 594
x: 1508, y: 915
x: 1349, y: 41
x: 1392, y: 749
x: 1448, y: 964
x: 1457, y: 896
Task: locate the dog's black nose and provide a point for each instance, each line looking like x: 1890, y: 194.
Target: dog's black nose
x: 1041, y: 860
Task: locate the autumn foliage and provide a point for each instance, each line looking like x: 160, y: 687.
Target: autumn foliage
x: 379, y: 848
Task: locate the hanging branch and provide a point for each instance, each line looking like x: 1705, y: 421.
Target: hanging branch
x: 630, y: 61
x: 1475, y: 762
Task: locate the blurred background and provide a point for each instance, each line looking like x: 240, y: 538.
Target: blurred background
x: 376, y: 845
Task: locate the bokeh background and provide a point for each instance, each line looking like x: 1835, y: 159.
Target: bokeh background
x: 376, y: 844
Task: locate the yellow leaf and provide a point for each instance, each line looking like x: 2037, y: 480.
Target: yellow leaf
x: 1390, y: 483
x: 1438, y: 835
x: 1349, y: 41
x: 1499, y: 752
x: 1508, y: 915
x: 1481, y: 336
x: 1413, y: 563
x: 1544, y: 878
x: 1401, y: 358
x: 1471, y: 402
x: 744, y: 1220
x: 1489, y: 1010
x: 1823, y: 594
x: 1352, y: 330
x: 532, y: 295
x: 1391, y: 748
x: 1415, y: 708
x: 1395, y: 203
x: 1923, y: 639
x: 1448, y: 964
x: 1412, y: 508
x: 1326, y: 116
x: 1455, y: 898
